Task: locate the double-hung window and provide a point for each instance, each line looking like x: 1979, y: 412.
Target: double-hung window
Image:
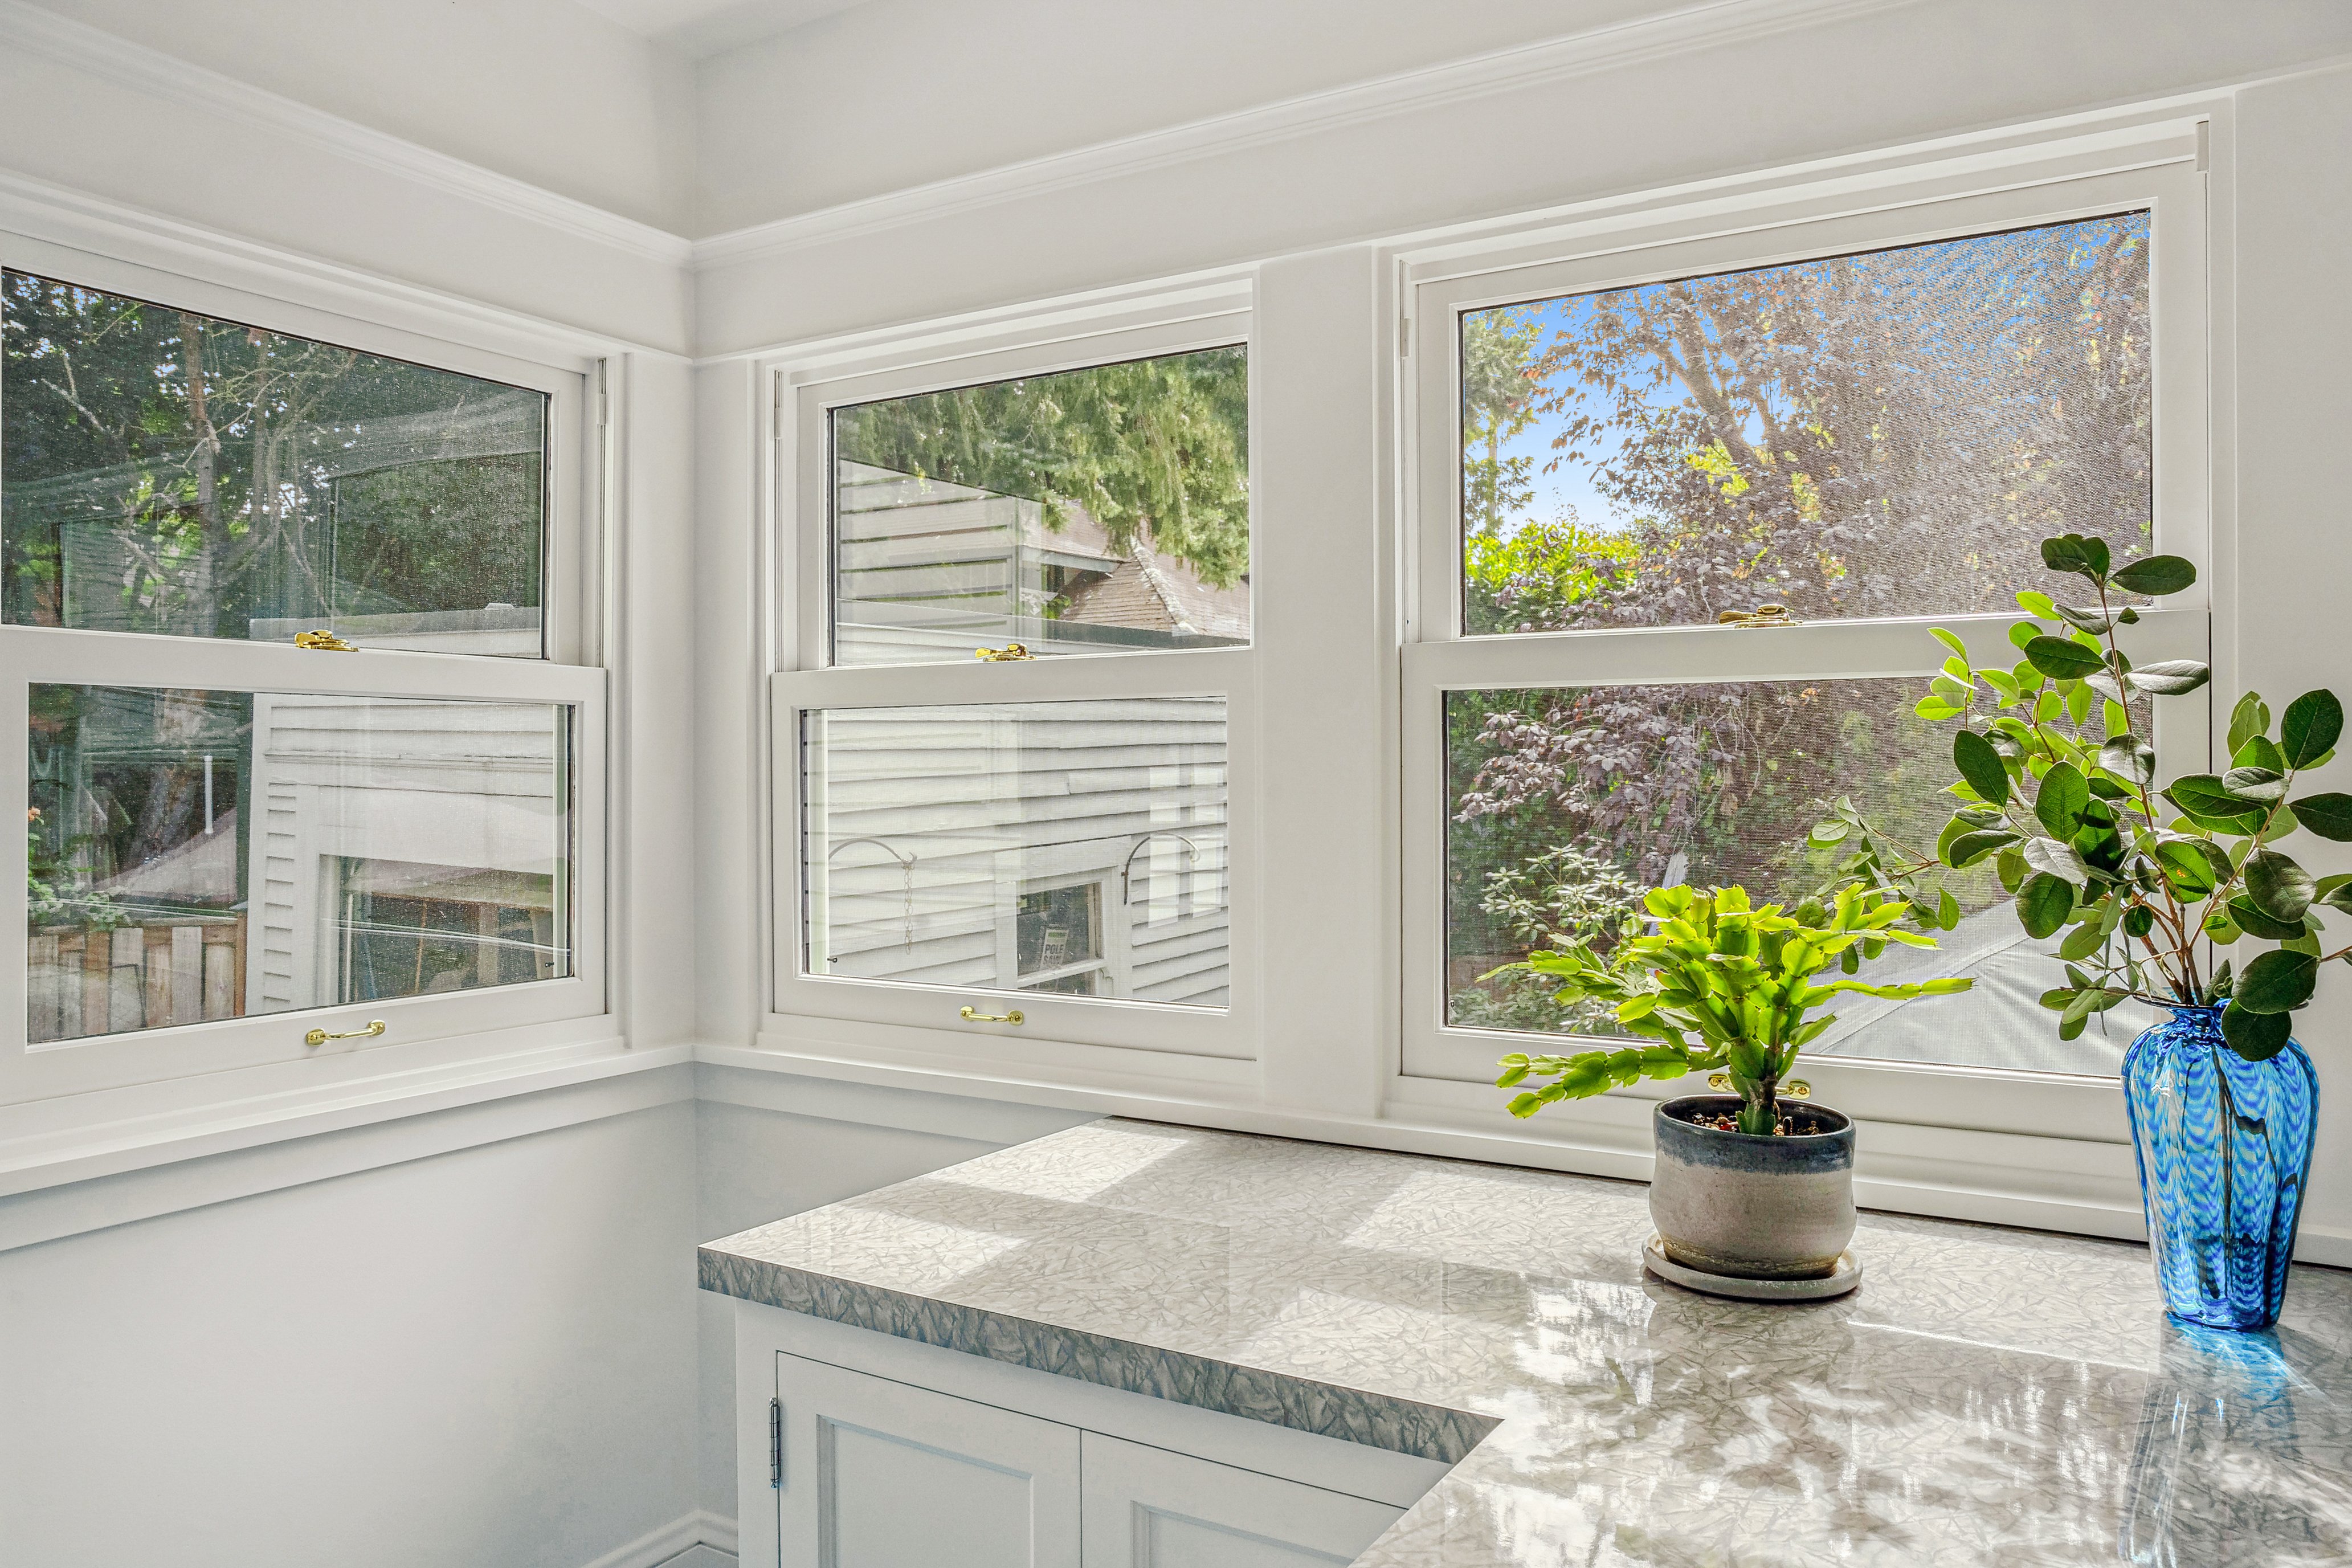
x: 1015, y: 697
x: 310, y: 740
x: 1687, y: 504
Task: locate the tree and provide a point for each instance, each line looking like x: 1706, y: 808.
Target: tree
x: 168, y: 471
x: 1154, y: 448
x: 1499, y: 396
x: 1876, y: 435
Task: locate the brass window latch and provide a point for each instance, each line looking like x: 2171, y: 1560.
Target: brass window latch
x: 1761, y: 615
x: 1004, y: 654
x: 974, y: 1016
x: 322, y: 639
x: 320, y: 1036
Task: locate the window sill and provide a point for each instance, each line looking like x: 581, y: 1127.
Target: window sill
x: 53, y: 1143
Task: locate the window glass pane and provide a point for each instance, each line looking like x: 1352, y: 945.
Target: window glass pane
x: 167, y: 471
x: 1074, y: 848
x: 200, y: 855
x: 1886, y: 434
x: 1564, y: 806
x: 1088, y: 512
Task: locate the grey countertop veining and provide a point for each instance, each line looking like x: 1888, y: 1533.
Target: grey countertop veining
x: 1987, y: 1396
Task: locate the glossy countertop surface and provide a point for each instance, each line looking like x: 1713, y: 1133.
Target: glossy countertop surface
x: 1987, y: 1396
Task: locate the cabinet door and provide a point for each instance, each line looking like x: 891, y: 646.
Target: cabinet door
x: 878, y: 1474
x: 1148, y: 1508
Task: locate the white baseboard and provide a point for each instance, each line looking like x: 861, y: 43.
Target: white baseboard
x: 697, y: 1540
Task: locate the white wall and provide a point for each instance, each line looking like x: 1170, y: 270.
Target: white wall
x: 484, y: 1358
x: 545, y: 91
x: 1636, y: 109
x: 894, y: 93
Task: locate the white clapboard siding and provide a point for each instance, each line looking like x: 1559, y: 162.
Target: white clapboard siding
x: 990, y: 802
x: 469, y: 785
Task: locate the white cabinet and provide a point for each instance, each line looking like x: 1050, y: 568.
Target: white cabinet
x: 1147, y: 1508
x: 859, y: 1450
x: 876, y: 1474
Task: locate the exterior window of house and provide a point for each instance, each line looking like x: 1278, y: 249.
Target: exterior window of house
x: 224, y: 823
x: 1022, y: 694
x: 1624, y: 459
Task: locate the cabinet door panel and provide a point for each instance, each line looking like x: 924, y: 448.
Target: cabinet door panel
x: 1149, y: 1508
x: 881, y: 1474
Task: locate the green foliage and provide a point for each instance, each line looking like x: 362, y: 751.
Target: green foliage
x: 1526, y: 580
x: 1498, y: 348
x: 1568, y: 894
x: 1151, y: 447
x: 1719, y: 985
x: 2145, y: 878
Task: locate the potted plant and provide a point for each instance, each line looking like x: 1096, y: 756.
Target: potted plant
x: 1748, y: 1186
x: 2059, y: 788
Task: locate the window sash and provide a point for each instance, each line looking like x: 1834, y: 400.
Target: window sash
x: 570, y: 616
x: 1437, y: 1062
x: 808, y: 522
x: 2173, y: 193
x: 1122, y: 1024
x: 40, y: 656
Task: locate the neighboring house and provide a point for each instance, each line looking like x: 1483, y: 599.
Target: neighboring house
x: 1076, y: 847
x: 925, y: 568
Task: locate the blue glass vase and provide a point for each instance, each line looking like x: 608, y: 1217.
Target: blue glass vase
x: 2224, y: 1146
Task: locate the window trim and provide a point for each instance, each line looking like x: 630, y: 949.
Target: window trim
x: 424, y: 1028
x: 1123, y: 1040
x: 1438, y: 657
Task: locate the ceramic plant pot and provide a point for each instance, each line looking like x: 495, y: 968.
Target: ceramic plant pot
x: 1752, y: 1207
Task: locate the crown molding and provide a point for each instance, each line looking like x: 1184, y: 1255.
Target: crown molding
x: 1707, y: 23
x: 152, y: 74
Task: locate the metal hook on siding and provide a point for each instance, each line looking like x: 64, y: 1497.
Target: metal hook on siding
x: 906, y: 871
x: 1127, y: 870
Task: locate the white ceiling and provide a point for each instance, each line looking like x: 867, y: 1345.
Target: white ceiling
x: 698, y: 27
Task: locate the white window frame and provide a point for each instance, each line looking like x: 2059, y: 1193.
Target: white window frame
x: 1442, y: 1066
x: 420, y: 1030
x: 1075, y: 1038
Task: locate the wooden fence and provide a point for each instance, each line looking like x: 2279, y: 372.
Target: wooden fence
x: 94, y: 982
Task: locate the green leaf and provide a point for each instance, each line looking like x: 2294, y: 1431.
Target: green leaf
x: 2061, y: 658
x: 2072, y: 552
x: 2256, y: 1036
x: 2310, y: 727
x: 1968, y: 848
x: 1960, y: 648
x: 2010, y: 868
x: 2043, y: 903
x: 1825, y: 834
x: 2088, y: 620
x: 2277, y: 982
x: 2155, y: 575
x: 2127, y: 757
x: 2169, y: 678
x: 1934, y: 710
x: 2192, y: 867
x: 2062, y: 800
x: 1981, y: 766
x: 2053, y: 859
x: 2329, y: 815
x: 2247, y: 916
x: 2022, y: 633
x: 2081, y: 941
x: 2204, y: 800
x: 2250, y: 718
x: 2138, y: 921
x: 1947, y: 910
x: 2260, y: 786
x: 2279, y: 889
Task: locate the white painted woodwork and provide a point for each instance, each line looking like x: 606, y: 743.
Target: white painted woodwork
x: 1149, y: 1508
x: 879, y: 1474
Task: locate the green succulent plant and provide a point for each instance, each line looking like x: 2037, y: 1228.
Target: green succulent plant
x: 2140, y: 878
x: 1719, y: 985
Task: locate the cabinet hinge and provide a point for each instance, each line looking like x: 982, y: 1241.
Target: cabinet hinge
x: 776, y: 1444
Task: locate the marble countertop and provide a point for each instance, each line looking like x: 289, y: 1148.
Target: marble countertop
x: 1987, y: 1396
